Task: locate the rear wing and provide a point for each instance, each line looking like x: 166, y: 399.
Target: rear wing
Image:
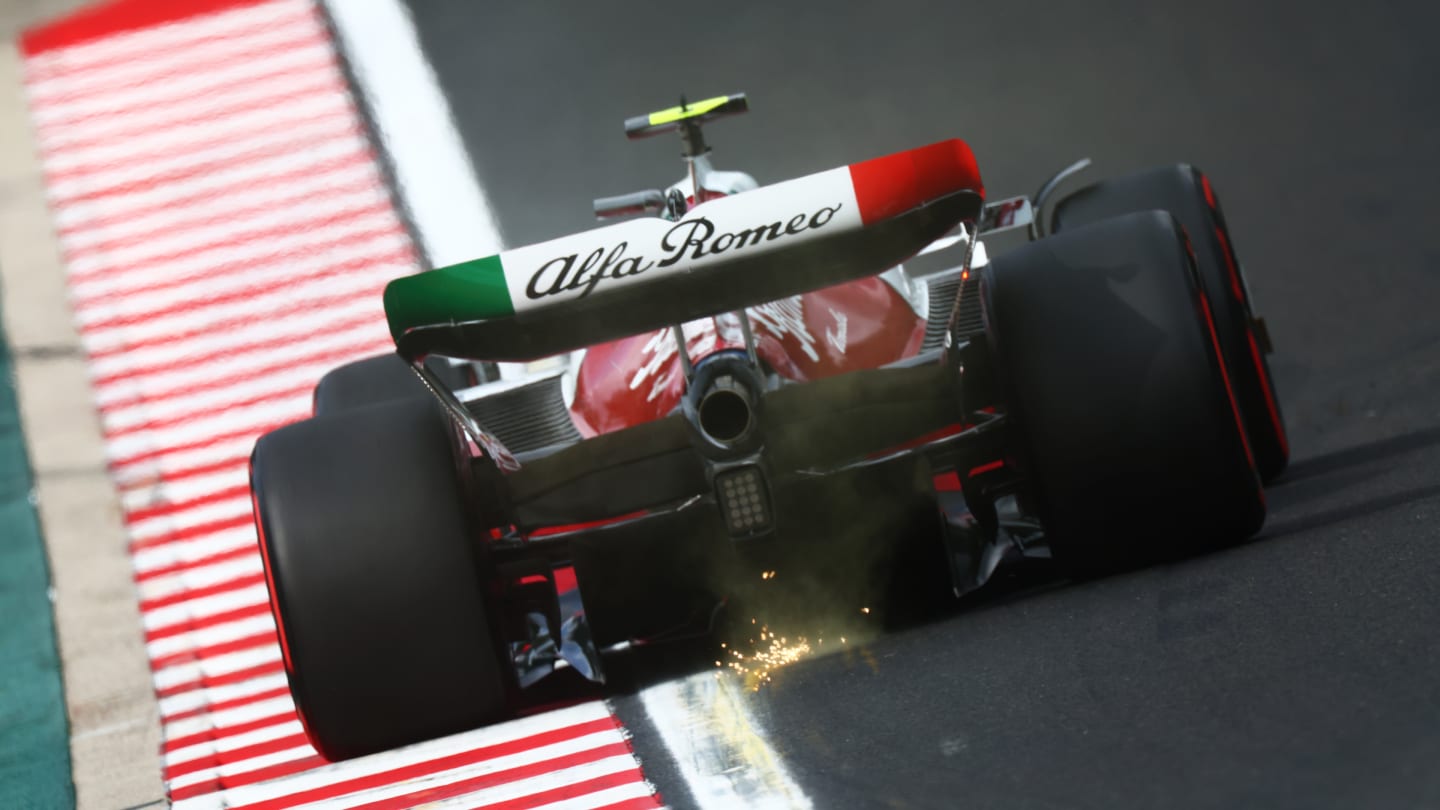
x: 723, y: 255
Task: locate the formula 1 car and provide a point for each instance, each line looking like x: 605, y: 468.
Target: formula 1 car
x: 581, y: 445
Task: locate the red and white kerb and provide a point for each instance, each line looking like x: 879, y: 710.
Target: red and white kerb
x: 227, y: 234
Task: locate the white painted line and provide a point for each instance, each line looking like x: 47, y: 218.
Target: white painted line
x: 432, y: 168
x: 719, y: 750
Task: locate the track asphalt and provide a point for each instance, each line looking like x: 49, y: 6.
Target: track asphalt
x: 1297, y: 670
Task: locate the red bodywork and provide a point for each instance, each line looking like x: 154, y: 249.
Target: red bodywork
x: 852, y: 326
x: 858, y: 325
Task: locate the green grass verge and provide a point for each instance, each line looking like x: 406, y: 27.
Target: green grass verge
x: 34, y: 732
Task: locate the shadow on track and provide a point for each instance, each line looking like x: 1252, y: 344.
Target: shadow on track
x: 639, y: 668
x: 1359, y: 455
x: 1336, y: 477
x: 1325, y: 477
x: 1346, y: 512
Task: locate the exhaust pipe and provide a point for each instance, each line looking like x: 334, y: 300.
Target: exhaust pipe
x: 726, y: 411
x: 722, y: 404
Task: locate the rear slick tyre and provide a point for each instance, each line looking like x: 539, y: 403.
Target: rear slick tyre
x: 1127, y: 431
x: 374, y: 578
x: 1185, y: 192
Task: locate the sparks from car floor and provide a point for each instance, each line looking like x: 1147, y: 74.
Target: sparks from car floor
x: 764, y: 651
x: 768, y: 654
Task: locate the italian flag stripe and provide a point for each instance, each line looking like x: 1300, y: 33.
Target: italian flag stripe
x: 476, y: 288
x: 891, y: 185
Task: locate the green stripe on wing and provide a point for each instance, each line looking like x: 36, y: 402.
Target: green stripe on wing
x: 469, y: 291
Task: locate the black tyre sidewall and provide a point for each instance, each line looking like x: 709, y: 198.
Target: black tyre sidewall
x: 1126, y: 429
x: 375, y: 578
x: 1182, y: 190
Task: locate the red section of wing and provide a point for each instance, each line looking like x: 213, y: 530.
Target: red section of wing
x: 116, y: 17
x: 890, y: 185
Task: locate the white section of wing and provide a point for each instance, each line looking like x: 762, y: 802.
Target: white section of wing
x: 645, y: 250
